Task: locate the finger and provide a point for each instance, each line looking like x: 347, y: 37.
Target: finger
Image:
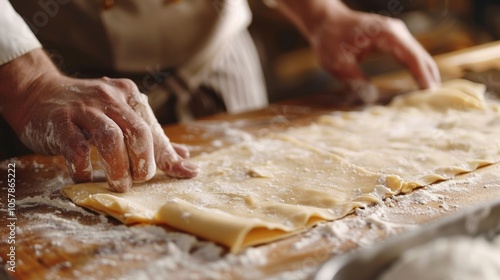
x: 166, y: 156
x: 409, y: 52
x: 181, y: 150
x: 416, y: 63
x: 108, y: 139
x: 138, y: 140
x: 434, y: 69
x: 364, y: 89
x: 76, y: 151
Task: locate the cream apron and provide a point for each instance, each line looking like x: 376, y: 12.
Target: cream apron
x: 192, y: 57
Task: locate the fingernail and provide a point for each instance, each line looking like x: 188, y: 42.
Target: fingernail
x: 189, y: 165
x: 183, y: 169
x: 121, y: 185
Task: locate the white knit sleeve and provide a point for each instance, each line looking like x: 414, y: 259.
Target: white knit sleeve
x: 16, y: 38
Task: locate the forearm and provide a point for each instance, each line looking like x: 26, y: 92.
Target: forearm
x: 21, y: 62
x: 16, y: 78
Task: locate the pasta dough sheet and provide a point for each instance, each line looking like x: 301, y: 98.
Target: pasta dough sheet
x: 246, y: 194
x: 423, y: 137
x: 269, y: 188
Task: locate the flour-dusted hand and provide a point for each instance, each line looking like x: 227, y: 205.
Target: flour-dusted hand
x: 59, y: 115
x: 342, y: 37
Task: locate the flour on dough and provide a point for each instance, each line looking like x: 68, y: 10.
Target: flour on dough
x: 423, y: 137
x: 230, y: 202
x: 265, y: 189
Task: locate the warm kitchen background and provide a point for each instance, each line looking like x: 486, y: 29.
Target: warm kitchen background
x: 440, y: 25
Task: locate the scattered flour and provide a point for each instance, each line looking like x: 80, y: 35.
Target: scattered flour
x: 5, y: 164
x: 370, y: 224
x: 190, y: 258
x: 63, y: 204
x: 458, y: 258
x: 175, y: 249
x: 222, y: 131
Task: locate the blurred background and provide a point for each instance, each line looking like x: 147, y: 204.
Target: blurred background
x: 440, y: 26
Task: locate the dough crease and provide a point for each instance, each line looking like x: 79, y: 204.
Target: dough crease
x: 281, y: 184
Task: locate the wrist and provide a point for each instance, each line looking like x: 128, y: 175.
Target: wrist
x: 18, y: 79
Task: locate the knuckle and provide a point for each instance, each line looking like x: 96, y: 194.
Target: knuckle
x: 106, y: 94
x: 105, y: 79
x: 140, y: 128
x: 126, y: 84
x: 108, y: 134
x: 102, y: 90
x: 113, y: 131
x: 396, y: 22
x: 394, y: 26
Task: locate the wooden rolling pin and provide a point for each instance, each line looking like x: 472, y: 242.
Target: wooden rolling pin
x: 451, y: 65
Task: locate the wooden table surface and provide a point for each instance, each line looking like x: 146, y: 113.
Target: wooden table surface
x: 55, y: 239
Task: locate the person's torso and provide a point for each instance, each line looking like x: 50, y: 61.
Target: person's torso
x: 129, y: 35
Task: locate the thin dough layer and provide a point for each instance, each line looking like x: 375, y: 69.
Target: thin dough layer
x: 416, y: 137
x: 246, y: 194
x: 269, y: 188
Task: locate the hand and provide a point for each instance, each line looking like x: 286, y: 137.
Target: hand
x: 342, y: 38
x: 58, y: 115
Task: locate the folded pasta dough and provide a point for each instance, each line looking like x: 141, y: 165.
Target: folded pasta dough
x: 259, y: 191
x: 422, y: 137
x: 247, y: 194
